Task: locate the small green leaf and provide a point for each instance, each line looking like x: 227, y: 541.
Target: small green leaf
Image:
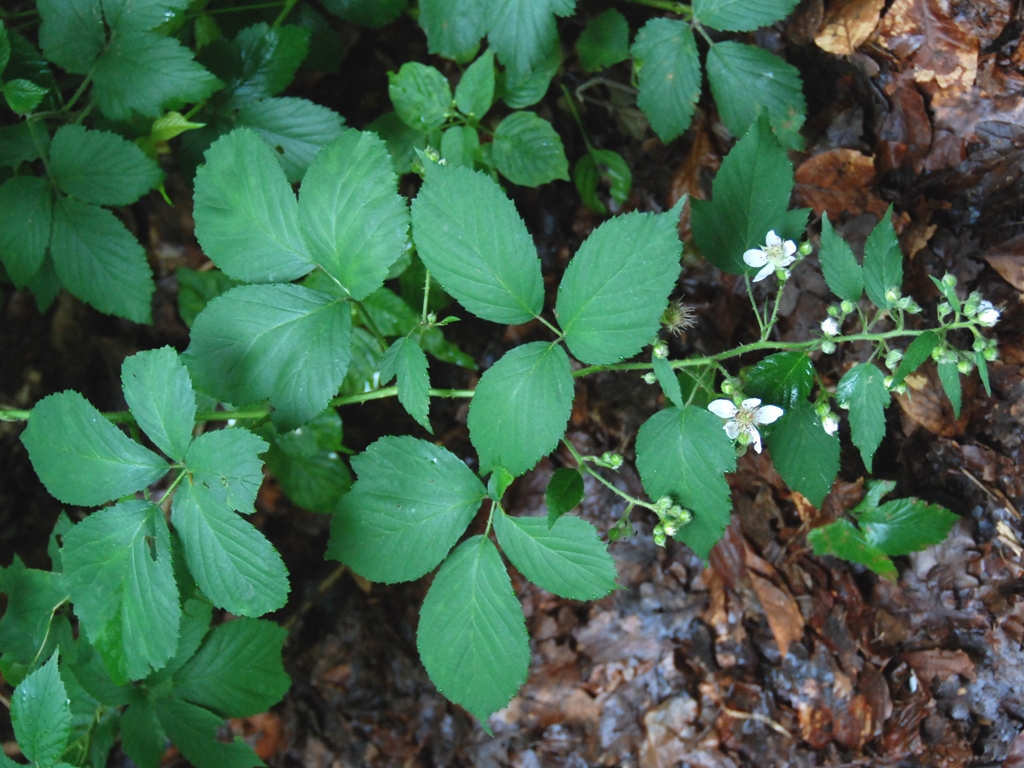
x: 741, y: 15
x: 196, y: 289
x: 459, y: 145
x: 528, y: 151
x: 604, y: 42
x: 920, y: 349
x: 667, y: 380
x: 306, y: 462
x: 526, y: 90
x: 683, y: 453
x: 81, y: 457
x: 194, y: 731
x: 160, y: 396
x: 521, y: 407
x: 453, y: 27
x: 863, y: 392
x: 883, y: 262
x: 23, y: 96
x: 522, y: 32
x: 838, y: 264
x: 72, y: 33
x: 902, y: 526
x: 18, y: 144
x: 982, y: 363
x: 474, y: 243
x: 567, y: 558
x: 669, y: 75
x: 421, y: 95
x: 784, y: 379
x: 41, y: 714
x: 406, y: 360
x: 565, y: 490
x: 805, y: 455
x: 227, y: 460
x: 5, y: 48
x: 615, y: 288
x: 950, y: 378
x: 498, y: 483
x: 100, y: 167
x: 142, y: 738
x: 26, y: 211
x: 268, y: 58
x: 842, y: 539
x: 32, y: 598
x: 387, y: 529
x: 472, y: 637
x: 475, y: 91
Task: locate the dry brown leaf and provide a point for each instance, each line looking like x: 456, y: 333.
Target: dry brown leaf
x: 848, y: 24
x: 926, y: 405
x: 837, y: 182
x: 1007, y: 259
x: 782, y: 611
x: 922, y: 32
x: 940, y: 664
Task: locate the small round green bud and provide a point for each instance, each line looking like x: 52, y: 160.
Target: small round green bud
x: 431, y: 318
x: 660, y: 350
x: 662, y: 505
x: 972, y: 304
x: 887, y: 381
x: 892, y: 295
x: 659, y: 536
x: 671, y: 529
x: 649, y: 377
x: 834, y: 311
x: 846, y: 306
x: 948, y: 280
x: 965, y: 366
x: 730, y: 387
x: 937, y: 354
x: 913, y: 307
x: 432, y: 155
x: 991, y: 354
x: 943, y: 311
x: 979, y: 345
x: 901, y: 388
x: 685, y: 516
x: 806, y: 249
x: 893, y: 359
x: 828, y: 347
x: 611, y: 460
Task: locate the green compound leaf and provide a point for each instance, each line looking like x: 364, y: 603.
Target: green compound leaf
x: 521, y: 407
x: 238, y: 671
x: 387, y: 528
x: 843, y: 539
x: 81, y: 457
x: 307, y: 463
x: 750, y: 197
x: 72, y: 33
x: 474, y: 243
x: 160, y: 396
x: 26, y: 211
x: 784, y: 379
x: 193, y: 730
x: 528, y: 151
x: 472, y: 636
x: 296, y: 129
x: 459, y: 145
x: 523, y: 32
x: 567, y: 559
x: 282, y: 342
x: 99, y: 261
x: 902, y: 526
x: 100, y: 167
x: 41, y: 714
x: 454, y: 27
x: 883, y: 262
x: 843, y: 274
x: 146, y: 73
x: 406, y: 360
x: 805, y: 455
x: 23, y: 96
x: 683, y: 453
x: 247, y: 217
x: 227, y: 460
x: 269, y: 57
x: 950, y: 378
x: 565, y: 490
x: 231, y: 561
x: 474, y: 94
x: 669, y: 75
x: 133, y: 619
x: 617, y: 285
x: 352, y: 217
x: 863, y: 392
x: 741, y: 15
x: 604, y: 42
x: 421, y: 95
x: 745, y: 79
x: 32, y: 598
x: 920, y: 349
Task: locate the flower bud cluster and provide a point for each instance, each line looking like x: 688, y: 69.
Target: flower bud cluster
x: 671, y: 518
x: 609, y: 460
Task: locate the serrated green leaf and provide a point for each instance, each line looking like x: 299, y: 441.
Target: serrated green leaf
x: 352, y: 217
x: 26, y: 211
x: 805, y: 455
x: 498, y: 483
x: 41, y: 715
x: 193, y: 731
x: 745, y: 80
x: 100, y: 261
x: 296, y: 129
x: 72, y: 33
x: 238, y: 671
x: 306, y: 463
x: 565, y: 490
x: 366, y: 13
x: 169, y: 126
x: 268, y: 59
x: 363, y: 374
x: 227, y: 460
x: 17, y: 145
x: 453, y: 27
x: 406, y: 360
x: 920, y: 349
x: 282, y: 342
x: 45, y: 285
x: 883, y: 262
x: 459, y: 145
x: 615, y: 288
x: 100, y: 167
x: 521, y: 407
x: 32, y: 598
x: 5, y: 48
x: 474, y: 243
x: 402, y: 141
x: 387, y: 529
x: 247, y: 217
x: 667, y: 380
x: 750, y: 197
x: 567, y: 558
x: 196, y: 289
x: 142, y: 737
x: 526, y: 90
x: 128, y: 16
x: 232, y: 562
x: 472, y: 636
x: 784, y: 379
x: 601, y: 164
x: 950, y: 378
x: 741, y: 15
x: 683, y: 453
x: 196, y: 615
x: 475, y: 91
x: 126, y: 548
x: 842, y: 539
x: 528, y: 151
x: 522, y: 32
x: 23, y: 96
x: 838, y: 264
x: 421, y: 95
x: 982, y: 364
x: 160, y: 396
x: 604, y: 41
x: 81, y: 457
x: 902, y: 526
x: 863, y: 392
x: 669, y: 75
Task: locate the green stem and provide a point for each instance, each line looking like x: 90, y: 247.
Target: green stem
x: 78, y: 94
x: 554, y: 329
x: 238, y: 8
x: 370, y: 324
x: 753, y: 303
x: 426, y: 298
x: 666, y: 5
x: 289, y: 4
x: 576, y: 117
x: 584, y: 467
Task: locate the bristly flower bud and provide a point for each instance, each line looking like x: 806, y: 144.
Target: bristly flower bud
x: 678, y: 317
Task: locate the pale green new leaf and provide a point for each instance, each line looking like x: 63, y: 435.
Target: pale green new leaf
x: 528, y: 151
x: 193, y: 730
x: 160, y: 396
x: 100, y: 167
x: 227, y: 460
x: 41, y: 714
x: 282, y: 342
x: 741, y: 15
x: 421, y: 95
x: 72, y: 33
x: 472, y: 637
x: 863, y: 392
x: 100, y: 261
x: 669, y: 75
x: 522, y: 32
x: 474, y: 243
x: 453, y: 27
x: 521, y: 407
x: 883, y: 262
x: 949, y: 375
x: 475, y: 91
x: 920, y: 349
x: 81, y: 457
x: 32, y: 598
x: 26, y: 211
x: 406, y: 360
x: 684, y: 453
x: 387, y: 528
x: 296, y: 129
x: 805, y: 455
x: 839, y: 266
x: 843, y: 539
x: 126, y: 549
x: 617, y: 285
x: 566, y: 558
x: 22, y: 95
x: 352, y: 217
x: 604, y: 42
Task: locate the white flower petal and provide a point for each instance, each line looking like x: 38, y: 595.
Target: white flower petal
x: 789, y: 248
x: 732, y: 429
x: 755, y: 438
x: 786, y: 260
x: 772, y: 238
x: 755, y: 257
x: 767, y: 414
x: 750, y: 403
x: 768, y: 269
x: 830, y: 424
x: 724, y: 409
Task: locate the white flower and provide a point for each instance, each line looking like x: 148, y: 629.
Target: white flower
x: 830, y: 423
x: 745, y: 419
x: 988, y: 315
x: 830, y: 327
x: 776, y: 255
